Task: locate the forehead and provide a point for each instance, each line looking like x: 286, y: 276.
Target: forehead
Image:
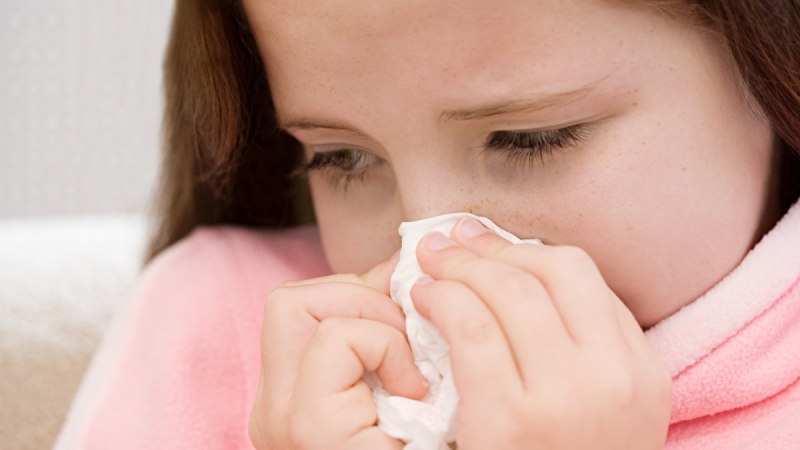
x: 432, y: 48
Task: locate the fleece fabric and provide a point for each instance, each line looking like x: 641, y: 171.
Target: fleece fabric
x: 179, y: 367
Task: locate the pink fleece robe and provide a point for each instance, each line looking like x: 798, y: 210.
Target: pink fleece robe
x: 179, y: 366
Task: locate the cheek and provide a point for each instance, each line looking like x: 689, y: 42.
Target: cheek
x: 665, y: 212
x: 674, y: 212
x: 355, y: 238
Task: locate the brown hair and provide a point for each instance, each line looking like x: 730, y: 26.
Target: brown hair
x: 224, y: 158
x: 226, y: 161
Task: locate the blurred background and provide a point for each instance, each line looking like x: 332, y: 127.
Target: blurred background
x: 80, y: 105
x: 80, y: 113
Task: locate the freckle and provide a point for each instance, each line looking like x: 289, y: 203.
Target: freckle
x: 635, y: 103
x: 580, y: 214
x: 683, y: 170
x: 461, y: 190
x: 555, y: 228
x: 642, y: 142
x: 592, y: 180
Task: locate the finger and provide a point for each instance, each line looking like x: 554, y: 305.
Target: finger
x: 292, y: 315
x: 343, y: 420
x: 482, y: 361
x: 344, y: 348
x: 331, y: 396
x: 377, y: 278
x: 581, y: 296
x: 517, y: 299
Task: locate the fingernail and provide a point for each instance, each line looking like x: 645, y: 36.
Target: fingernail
x: 423, y: 280
x: 436, y: 241
x: 470, y: 228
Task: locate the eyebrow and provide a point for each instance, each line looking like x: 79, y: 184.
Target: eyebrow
x: 482, y: 112
x: 301, y: 123
x: 515, y: 106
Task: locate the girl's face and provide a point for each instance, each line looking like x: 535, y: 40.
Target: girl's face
x: 604, y: 126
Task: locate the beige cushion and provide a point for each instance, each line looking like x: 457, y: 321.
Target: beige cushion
x: 60, y: 282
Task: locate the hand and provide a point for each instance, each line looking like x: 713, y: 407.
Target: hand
x: 319, y: 337
x: 544, y: 354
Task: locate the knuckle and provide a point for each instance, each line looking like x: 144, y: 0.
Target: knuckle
x: 279, y: 298
x: 389, y: 338
x: 570, y: 256
x: 515, y: 284
x: 469, y: 266
x: 513, y: 252
x: 568, y: 260
x: 331, y: 328
x: 475, y: 330
x: 395, y: 336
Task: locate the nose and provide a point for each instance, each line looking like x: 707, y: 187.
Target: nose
x: 435, y: 187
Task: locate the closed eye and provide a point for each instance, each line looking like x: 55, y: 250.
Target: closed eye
x: 344, y: 166
x: 526, y: 147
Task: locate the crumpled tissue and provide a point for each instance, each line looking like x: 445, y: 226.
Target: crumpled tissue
x: 428, y: 424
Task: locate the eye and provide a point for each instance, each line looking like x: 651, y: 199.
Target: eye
x: 344, y: 165
x: 526, y: 147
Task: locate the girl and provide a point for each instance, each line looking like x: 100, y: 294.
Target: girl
x: 651, y: 145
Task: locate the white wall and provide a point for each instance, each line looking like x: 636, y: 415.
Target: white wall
x: 80, y: 105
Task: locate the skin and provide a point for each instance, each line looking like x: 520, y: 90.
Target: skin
x: 664, y: 194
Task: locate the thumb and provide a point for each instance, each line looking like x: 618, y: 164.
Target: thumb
x: 378, y: 277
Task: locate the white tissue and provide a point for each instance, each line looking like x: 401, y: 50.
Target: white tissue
x: 428, y: 424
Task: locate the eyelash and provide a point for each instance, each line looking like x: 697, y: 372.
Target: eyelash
x: 520, y: 148
x: 526, y: 147
x: 343, y: 161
